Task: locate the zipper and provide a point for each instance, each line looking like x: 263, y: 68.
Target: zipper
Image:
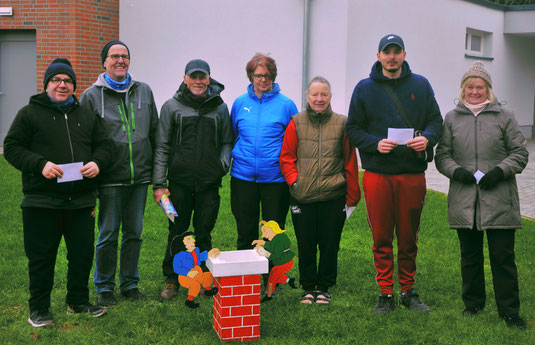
x: 477, y: 168
x: 319, y: 160
x: 70, y: 146
x: 69, y: 137
x: 179, y: 129
x: 216, y: 131
x: 123, y: 116
x: 256, y: 137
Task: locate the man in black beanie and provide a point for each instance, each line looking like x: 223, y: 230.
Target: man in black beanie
x: 55, y: 205
x: 58, y: 66
x: 130, y: 116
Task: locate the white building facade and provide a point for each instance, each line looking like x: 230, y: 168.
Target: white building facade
x: 336, y: 39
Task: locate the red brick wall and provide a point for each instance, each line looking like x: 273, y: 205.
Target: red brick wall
x: 75, y: 29
x: 236, y: 309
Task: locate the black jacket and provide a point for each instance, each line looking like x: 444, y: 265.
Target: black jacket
x: 194, y: 140
x: 43, y: 132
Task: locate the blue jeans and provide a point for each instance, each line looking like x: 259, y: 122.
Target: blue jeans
x: 119, y: 205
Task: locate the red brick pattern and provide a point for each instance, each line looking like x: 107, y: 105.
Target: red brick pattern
x: 75, y: 29
x: 237, y: 308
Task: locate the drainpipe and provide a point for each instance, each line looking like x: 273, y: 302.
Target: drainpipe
x: 306, y: 34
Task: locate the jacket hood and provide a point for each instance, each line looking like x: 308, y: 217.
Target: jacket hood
x: 101, y: 82
x: 215, y: 88
x: 42, y: 99
x: 494, y: 107
x: 274, y: 91
x: 377, y: 71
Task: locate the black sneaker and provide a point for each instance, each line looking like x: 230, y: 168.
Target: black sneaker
x: 385, y: 304
x: 106, y: 299
x: 412, y: 301
x: 291, y: 282
x: 133, y: 295
x: 515, y: 321
x: 86, y: 309
x: 40, y: 318
x: 191, y: 304
x: 471, y: 312
x: 266, y: 298
x: 212, y: 292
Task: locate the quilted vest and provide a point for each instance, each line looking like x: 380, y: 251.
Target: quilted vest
x: 320, y: 156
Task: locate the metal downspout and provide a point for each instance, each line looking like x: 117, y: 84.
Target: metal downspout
x: 306, y: 34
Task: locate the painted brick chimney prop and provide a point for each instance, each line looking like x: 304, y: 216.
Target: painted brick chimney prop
x: 237, y: 305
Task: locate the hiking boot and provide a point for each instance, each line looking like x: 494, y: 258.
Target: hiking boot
x: 86, y: 308
x: 133, y: 295
x: 40, y: 318
x: 385, y: 304
x: 515, y: 321
x: 191, y: 304
x: 211, y: 292
x: 471, y: 312
x: 412, y: 301
x: 170, y: 292
x: 106, y: 299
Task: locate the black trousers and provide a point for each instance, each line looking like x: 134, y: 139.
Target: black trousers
x: 501, y: 245
x: 43, y: 229
x: 320, y: 225
x: 204, y: 206
x: 245, y: 200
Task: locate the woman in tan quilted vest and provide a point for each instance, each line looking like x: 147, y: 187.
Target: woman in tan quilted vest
x: 320, y: 166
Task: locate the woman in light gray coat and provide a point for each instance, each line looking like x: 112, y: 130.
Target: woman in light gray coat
x: 481, y: 151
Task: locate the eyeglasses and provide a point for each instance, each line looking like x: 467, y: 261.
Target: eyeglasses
x: 57, y: 80
x: 115, y: 57
x: 262, y: 76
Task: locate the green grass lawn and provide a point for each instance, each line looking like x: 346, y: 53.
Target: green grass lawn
x: 349, y: 320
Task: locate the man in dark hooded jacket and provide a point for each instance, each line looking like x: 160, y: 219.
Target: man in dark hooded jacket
x: 394, y: 178
x: 193, y: 146
x: 60, y: 147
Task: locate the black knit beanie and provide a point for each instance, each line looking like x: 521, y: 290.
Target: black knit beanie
x: 104, y: 52
x: 59, y: 66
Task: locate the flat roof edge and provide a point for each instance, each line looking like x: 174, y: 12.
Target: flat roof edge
x: 500, y: 7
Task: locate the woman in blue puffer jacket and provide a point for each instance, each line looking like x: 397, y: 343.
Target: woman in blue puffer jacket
x: 259, y: 118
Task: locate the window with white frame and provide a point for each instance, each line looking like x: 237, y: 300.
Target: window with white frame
x: 478, y: 43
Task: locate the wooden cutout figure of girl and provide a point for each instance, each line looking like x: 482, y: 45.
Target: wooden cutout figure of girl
x: 278, y: 251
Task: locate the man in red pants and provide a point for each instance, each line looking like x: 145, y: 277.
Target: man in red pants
x: 394, y: 98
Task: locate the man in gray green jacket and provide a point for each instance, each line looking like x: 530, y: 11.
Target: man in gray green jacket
x: 131, y: 119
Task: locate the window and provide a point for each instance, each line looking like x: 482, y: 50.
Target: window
x: 478, y: 44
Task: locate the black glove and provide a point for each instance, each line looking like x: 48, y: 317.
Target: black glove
x: 491, y: 179
x: 464, y: 176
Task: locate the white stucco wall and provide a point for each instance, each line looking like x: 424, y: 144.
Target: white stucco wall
x: 164, y: 35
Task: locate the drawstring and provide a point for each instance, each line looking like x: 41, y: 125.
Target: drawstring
x: 102, y: 101
x: 133, y: 117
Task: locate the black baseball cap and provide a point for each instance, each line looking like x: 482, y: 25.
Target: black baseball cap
x: 391, y: 39
x: 197, y: 65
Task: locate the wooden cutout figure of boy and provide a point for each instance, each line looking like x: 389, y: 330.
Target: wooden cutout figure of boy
x: 190, y: 275
x: 278, y: 251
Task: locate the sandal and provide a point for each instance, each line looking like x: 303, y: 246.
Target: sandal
x: 323, y: 297
x: 308, y: 297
